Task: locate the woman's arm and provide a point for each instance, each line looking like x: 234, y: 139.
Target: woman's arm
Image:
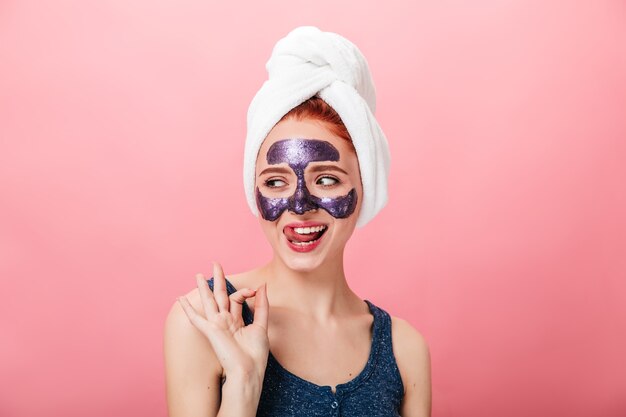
x: 413, y: 358
x: 206, y: 342
x: 193, y: 373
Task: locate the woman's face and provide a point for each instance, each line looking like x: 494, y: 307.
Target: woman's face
x: 308, y: 191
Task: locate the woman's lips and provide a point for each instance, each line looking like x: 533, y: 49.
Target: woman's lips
x: 303, y: 242
x: 304, y: 237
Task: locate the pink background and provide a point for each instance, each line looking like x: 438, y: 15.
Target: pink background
x: 121, y: 133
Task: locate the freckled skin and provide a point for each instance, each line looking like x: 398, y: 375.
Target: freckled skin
x: 298, y: 153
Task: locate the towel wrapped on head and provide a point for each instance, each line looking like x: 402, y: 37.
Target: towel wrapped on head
x: 309, y: 62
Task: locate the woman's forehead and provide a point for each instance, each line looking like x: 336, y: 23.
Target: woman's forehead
x: 301, y: 151
x: 298, y: 149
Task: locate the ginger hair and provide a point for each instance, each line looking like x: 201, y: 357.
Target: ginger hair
x: 317, y: 109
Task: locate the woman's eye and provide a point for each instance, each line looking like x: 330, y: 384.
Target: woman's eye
x: 327, y: 181
x: 274, y: 183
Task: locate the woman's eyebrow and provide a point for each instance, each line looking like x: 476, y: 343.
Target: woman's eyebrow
x: 275, y: 170
x: 318, y: 168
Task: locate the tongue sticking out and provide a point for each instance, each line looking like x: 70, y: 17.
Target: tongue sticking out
x: 296, y: 237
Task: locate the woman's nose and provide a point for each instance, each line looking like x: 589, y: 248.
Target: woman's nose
x: 300, y: 202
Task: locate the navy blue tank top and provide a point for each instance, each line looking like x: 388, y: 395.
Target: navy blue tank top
x: 376, y: 391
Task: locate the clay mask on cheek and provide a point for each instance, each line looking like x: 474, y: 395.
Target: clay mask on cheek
x: 298, y: 153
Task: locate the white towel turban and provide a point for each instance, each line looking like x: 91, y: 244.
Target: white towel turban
x: 307, y: 62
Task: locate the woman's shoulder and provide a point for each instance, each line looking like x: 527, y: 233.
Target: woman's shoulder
x: 189, y: 356
x: 247, y: 279
x: 406, y: 337
x: 180, y: 334
x: 240, y: 280
x: 412, y: 353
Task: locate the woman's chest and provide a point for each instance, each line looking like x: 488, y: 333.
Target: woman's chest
x: 322, y: 355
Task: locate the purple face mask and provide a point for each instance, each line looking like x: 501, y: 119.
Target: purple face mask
x: 298, y: 153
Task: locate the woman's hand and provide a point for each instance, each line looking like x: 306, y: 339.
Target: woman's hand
x: 242, y: 350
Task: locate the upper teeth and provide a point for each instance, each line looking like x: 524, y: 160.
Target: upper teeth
x: 308, y: 230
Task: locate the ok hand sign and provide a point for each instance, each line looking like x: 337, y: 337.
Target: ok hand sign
x: 241, y: 350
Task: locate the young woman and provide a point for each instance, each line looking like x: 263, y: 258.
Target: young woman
x: 290, y: 338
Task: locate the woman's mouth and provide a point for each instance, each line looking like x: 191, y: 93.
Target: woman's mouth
x: 304, y: 238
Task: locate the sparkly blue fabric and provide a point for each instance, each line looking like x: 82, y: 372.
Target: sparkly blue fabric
x: 376, y: 391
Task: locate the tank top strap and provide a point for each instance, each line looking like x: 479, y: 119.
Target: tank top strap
x: 387, y: 369
x: 381, y: 339
x: 246, y: 313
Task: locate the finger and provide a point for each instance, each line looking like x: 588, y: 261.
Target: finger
x: 219, y: 288
x: 236, y: 302
x: 191, y: 312
x: 222, y: 342
x: 261, y: 306
x: 208, y: 302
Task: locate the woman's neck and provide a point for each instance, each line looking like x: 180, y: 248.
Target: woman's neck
x: 319, y: 293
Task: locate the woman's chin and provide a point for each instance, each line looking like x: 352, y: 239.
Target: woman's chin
x: 303, y: 262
